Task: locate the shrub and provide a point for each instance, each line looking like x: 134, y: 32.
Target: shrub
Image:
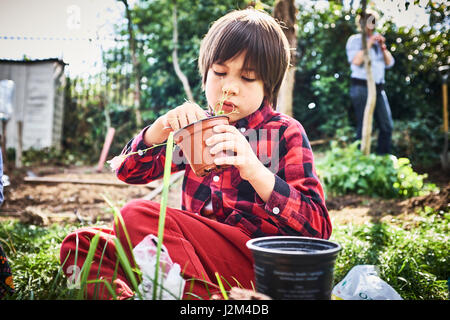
x: 345, y: 170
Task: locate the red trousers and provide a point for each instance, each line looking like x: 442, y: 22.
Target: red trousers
x: 200, y: 246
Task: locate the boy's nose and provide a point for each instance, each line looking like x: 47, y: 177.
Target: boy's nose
x: 230, y: 87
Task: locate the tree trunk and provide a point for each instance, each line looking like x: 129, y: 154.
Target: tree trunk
x: 180, y: 74
x: 136, y: 66
x: 285, y: 12
x: 371, y: 92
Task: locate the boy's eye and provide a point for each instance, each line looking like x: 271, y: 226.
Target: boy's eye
x: 248, y: 79
x: 219, y: 74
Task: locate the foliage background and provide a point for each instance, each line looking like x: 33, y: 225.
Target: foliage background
x: 321, y: 94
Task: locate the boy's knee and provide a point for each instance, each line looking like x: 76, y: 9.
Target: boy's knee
x: 130, y: 208
x: 135, y: 210
x: 66, y: 247
x: 74, y: 242
x: 135, y: 207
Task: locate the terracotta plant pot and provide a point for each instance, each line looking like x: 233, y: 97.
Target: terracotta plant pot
x: 191, y: 140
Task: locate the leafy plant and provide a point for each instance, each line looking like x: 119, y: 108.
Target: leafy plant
x: 218, y: 108
x: 345, y: 170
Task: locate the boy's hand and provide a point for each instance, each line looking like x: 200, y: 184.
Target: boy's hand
x: 183, y: 115
x: 229, y: 138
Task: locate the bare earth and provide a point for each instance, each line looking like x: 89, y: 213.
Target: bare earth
x: 44, y: 203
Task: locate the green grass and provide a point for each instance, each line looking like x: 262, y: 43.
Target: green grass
x: 33, y: 254
x: 412, y: 258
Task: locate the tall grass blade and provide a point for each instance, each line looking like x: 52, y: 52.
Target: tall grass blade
x: 163, y: 207
x: 222, y: 289
x: 190, y: 294
x: 99, y: 268
x: 107, y: 286
x: 116, y: 270
x: 87, y: 264
x: 127, y: 266
x: 60, y: 271
x: 118, y: 218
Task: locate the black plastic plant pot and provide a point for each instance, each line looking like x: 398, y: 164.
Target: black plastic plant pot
x: 294, y: 268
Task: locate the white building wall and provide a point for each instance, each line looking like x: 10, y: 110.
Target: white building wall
x: 38, y: 115
x: 34, y: 102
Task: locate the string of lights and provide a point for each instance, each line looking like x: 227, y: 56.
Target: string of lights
x: 56, y: 38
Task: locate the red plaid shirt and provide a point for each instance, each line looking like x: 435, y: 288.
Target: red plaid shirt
x: 296, y: 205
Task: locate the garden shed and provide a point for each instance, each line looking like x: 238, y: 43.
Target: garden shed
x: 35, y: 102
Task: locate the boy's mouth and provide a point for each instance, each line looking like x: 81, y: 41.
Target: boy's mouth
x: 228, y: 106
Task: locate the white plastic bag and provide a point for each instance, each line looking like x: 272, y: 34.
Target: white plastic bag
x: 363, y: 283
x: 169, y: 274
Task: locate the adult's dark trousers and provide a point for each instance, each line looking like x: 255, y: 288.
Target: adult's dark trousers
x: 382, y: 115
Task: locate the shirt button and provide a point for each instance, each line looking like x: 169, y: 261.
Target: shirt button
x: 242, y: 130
x: 276, y: 210
x: 216, y: 178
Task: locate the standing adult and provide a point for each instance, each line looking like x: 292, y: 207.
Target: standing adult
x: 381, y: 59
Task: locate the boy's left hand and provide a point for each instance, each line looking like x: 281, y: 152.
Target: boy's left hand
x: 229, y: 138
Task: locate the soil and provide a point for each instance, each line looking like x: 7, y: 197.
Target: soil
x: 44, y: 203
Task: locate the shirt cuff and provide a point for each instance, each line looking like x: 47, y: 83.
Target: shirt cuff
x: 279, y: 197
x: 139, y: 144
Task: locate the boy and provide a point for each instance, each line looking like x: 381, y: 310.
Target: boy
x: 245, y: 54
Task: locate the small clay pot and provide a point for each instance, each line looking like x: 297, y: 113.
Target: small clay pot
x: 191, y: 140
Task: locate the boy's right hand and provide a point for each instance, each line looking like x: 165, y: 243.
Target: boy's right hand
x: 183, y: 115
x: 173, y: 120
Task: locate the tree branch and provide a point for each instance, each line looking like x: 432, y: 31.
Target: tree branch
x: 371, y: 89
x: 136, y: 66
x: 176, y: 65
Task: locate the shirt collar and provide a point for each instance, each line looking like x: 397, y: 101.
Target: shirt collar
x: 257, y: 118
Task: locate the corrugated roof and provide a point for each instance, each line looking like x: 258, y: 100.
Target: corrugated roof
x: 34, y: 61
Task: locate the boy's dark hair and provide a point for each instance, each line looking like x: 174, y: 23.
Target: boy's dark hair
x: 256, y: 33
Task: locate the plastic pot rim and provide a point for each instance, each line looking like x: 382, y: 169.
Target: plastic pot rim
x: 252, y: 245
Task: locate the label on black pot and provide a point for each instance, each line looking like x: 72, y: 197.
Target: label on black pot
x: 298, y: 276
x: 293, y: 284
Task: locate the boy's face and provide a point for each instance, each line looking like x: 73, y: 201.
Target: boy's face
x: 246, y: 92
